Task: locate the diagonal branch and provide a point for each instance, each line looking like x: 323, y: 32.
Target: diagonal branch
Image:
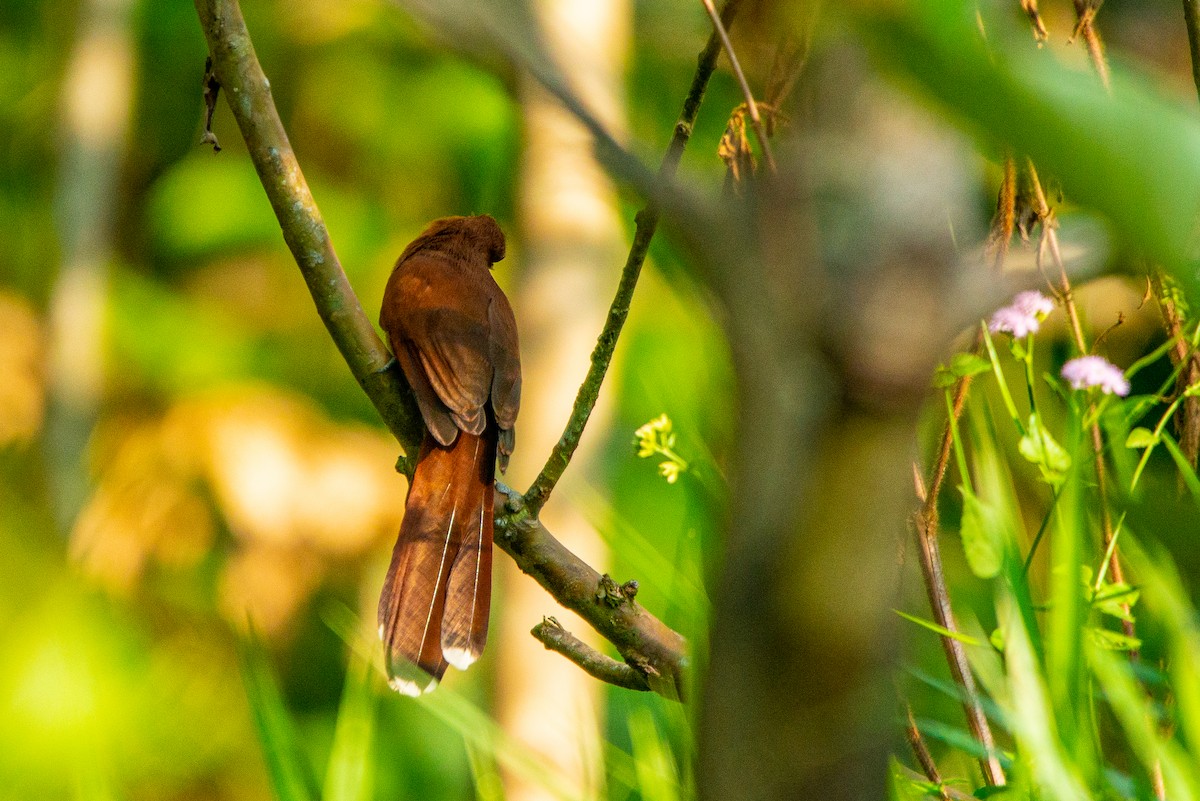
x: 235, y: 67
x: 655, y: 651
x: 551, y: 634
x: 647, y: 224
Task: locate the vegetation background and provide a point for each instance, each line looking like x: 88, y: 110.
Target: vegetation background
x: 197, y: 503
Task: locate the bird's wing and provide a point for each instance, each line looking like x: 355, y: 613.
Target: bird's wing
x: 441, y: 337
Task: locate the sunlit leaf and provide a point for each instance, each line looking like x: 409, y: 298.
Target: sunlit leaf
x: 969, y: 364
x: 1113, y: 640
x: 981, y: 535
x: 1039, y: 447
x: 1141, y: 438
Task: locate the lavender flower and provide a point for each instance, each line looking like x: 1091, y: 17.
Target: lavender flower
x: 1096, y: 371
x: 1023, y: 315
x: 1034, y: 303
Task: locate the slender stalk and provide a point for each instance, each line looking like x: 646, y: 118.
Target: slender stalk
x: 647, y: 223
x: 1191, y: 20
x: 1186, y: 359
x: 1030, y: 8
x: 921, y: 751
x: 1050, y: 235
x: 751, y: 106
x: 926, y: 522
x: 1085, y: 28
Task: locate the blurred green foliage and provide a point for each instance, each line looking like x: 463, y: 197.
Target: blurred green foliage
x: 122, y: 671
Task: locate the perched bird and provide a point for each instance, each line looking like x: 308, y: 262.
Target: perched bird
x: 453, y: 332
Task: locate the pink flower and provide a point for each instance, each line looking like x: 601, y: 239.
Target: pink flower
x: 1096, y: 371
x: 1014, y: 321
x: 1023, y: 315
x: 1034, y: 303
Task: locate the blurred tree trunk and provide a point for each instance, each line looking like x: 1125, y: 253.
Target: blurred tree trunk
x: 572, y: 249
x: 834, y: 336
x: 96, y: 103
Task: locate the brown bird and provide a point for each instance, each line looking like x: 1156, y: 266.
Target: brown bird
x: 454, y: 334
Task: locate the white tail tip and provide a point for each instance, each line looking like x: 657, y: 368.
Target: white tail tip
x: 411, y: 688
x: 460, y: 658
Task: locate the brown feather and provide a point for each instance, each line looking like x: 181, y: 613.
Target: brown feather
x: 436, y: 593
x: 455, y: 337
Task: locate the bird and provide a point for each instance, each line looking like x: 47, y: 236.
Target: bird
x: 453, y: 332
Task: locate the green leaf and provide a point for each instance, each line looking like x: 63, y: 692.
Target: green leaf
x: 966, y: 639
x: 1190, y: 479
x: 1112, y: 640
x: 1039, y: 447
x: 944, y: 377
x: 968, y: 364
x: 1071, y: 126
x: 1141, y: 438
x: 1114, y: 598
x: 981, y: 536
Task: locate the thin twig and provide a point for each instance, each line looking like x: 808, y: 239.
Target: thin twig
x: 1191, y: 20
x: 926, y: 522
x: 751, y: 106
x: 1187, y: 361
x: 212, y: 89
x: 1030, y: 8
x: 644, y: 641
x: 921, y: 751
x: 647, y: 223
x: 551, y: 634
x: 1085, y: 28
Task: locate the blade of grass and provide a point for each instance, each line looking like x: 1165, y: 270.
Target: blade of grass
x: 1164, y: 597
x: 1185, y: 468
x: 1068, y: 613
x: 656, y: 774
x: 286, y: 768
x: 348, y: 777
x: 942, y: 630
x: 1130, y: 706
x: 1032, y: 716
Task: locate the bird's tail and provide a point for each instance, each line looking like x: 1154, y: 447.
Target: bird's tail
x: 437, y: 594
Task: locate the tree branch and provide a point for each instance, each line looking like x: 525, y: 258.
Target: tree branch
x: 248, y: 92
x: 647, y: 224
x: 647, y: 644
x: 551, y: 634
